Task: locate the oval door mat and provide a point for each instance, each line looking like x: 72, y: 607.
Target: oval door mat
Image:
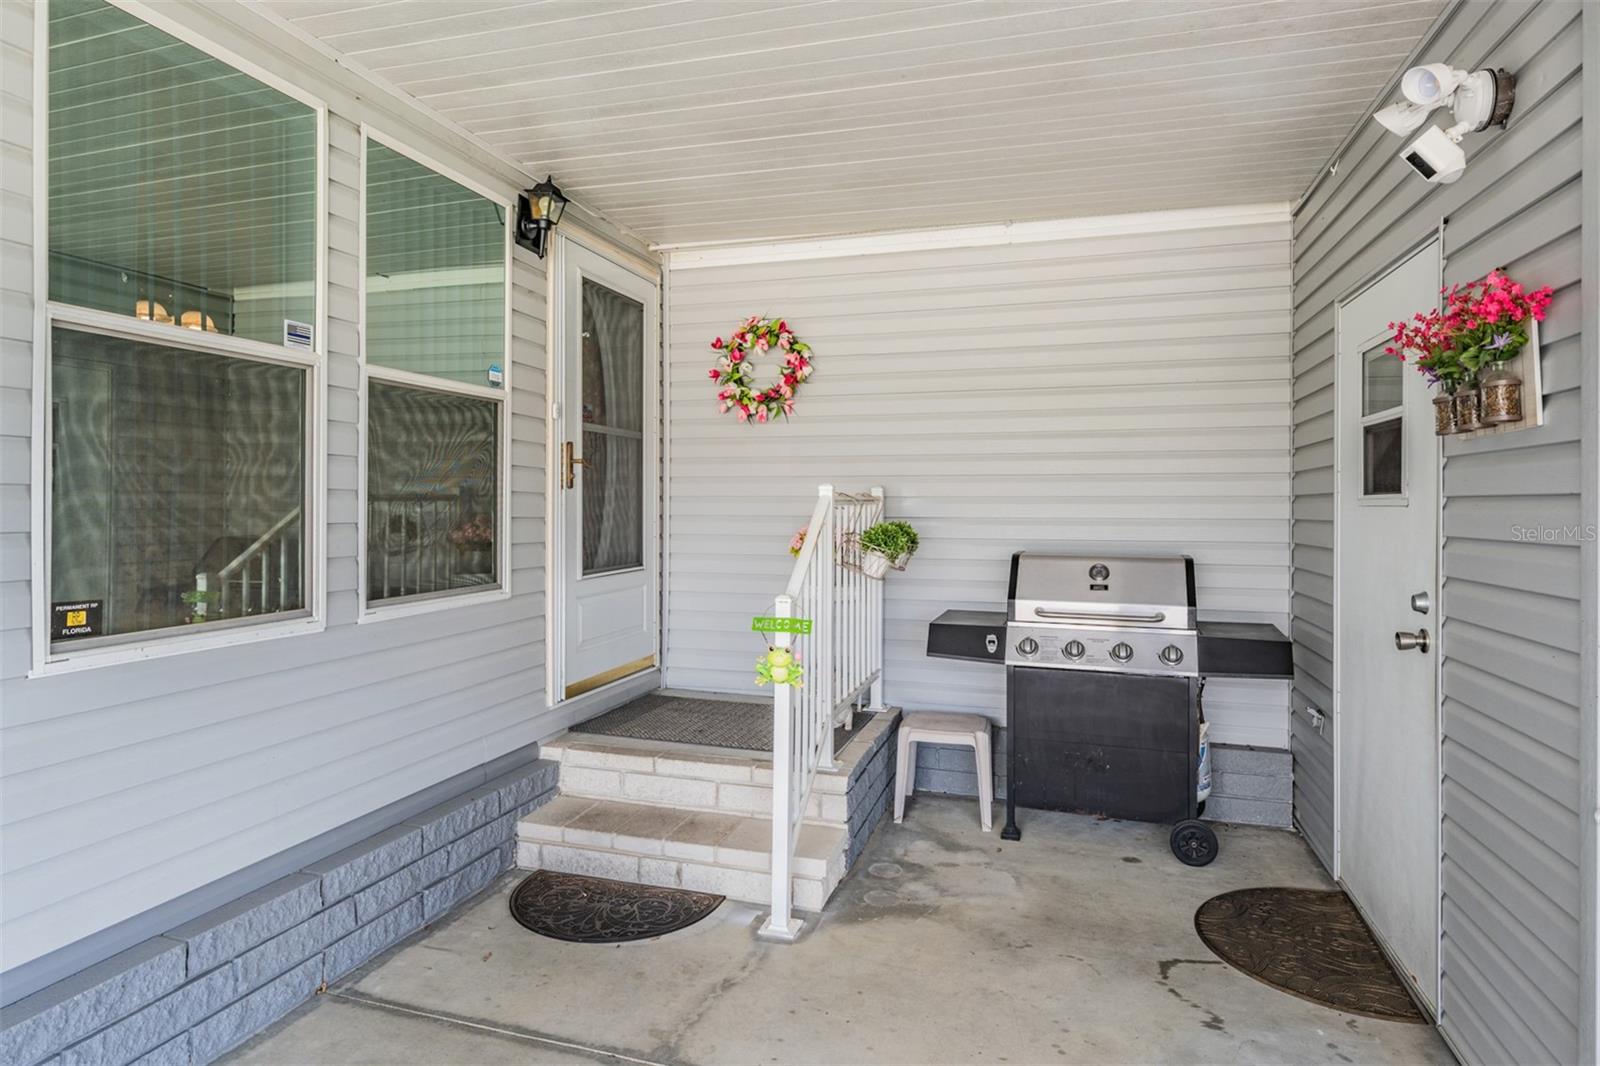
x: 595, y: 910
x: 1309, y: 943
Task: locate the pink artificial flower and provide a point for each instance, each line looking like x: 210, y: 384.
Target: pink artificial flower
x: 715, y: 373
x: 761, y: 415
x: 737, y: 357
x: 717, y: 343
x: 762, y: 343
x: 788, y: 407
x: 743, y: 414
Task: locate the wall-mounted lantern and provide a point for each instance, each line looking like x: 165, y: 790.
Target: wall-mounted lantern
x: 538, y: 211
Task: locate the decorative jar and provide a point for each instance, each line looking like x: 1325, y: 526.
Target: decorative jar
x: 1501, y: 396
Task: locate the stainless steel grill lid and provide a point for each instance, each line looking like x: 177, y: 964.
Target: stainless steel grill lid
x: 1149, y: 592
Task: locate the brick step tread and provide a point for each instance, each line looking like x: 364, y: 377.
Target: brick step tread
x: 622, y: 755
x: 717, y: 838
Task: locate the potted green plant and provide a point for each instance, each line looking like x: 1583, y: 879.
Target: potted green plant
x: 886, y: 544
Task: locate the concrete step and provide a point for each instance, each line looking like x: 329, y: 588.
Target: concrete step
x: 683, y: 777
x: 706, y: 850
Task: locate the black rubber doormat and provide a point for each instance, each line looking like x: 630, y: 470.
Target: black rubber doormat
x: 1309, y: 943
x: 595, y: 910
x: 690, y: 720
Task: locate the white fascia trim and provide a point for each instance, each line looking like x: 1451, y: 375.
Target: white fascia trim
x: 701, y: 256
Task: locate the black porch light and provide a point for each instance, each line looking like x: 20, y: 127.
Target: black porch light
x: 538, y: 211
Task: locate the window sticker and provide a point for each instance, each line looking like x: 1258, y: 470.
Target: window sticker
x: 80, y: 618
x: 296, y: 334
x: 497, y: 376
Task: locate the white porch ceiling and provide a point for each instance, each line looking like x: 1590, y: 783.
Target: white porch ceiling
x: 713, y: 120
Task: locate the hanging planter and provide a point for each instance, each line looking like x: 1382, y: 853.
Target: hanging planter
x: 1469, y: 347
x: 886, y: 545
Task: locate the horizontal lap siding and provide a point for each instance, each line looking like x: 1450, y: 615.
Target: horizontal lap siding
x: 127, y: 786
x: 1510, y: 612
x: 1120, y: 393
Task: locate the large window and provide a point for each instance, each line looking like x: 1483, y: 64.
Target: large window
x: 434, y: 344
x: 182, y: 284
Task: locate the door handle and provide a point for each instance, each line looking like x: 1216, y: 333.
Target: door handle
x: 569, y: 463
x: 1420, y: 641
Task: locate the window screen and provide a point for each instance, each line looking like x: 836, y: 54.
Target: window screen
x: 436, y: 280
x: 182, y: 191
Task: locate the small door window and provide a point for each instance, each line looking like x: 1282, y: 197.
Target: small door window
x: 1382, y: 424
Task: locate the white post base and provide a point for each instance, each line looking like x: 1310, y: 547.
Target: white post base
x: 786, y: 932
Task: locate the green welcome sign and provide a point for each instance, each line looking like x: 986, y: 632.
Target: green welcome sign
x: 780, y: 625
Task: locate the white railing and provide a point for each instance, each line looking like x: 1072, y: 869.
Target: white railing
x: 842, y: 659
x: 263, y: 578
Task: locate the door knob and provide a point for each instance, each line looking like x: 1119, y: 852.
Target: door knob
x: 1419, y: 641
x: 569, y: 463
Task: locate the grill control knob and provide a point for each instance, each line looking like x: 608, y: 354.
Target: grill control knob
x: 1122, y: 652
x: 1172, y: 655
x: 1028, y: 646
x: 1073, y: 649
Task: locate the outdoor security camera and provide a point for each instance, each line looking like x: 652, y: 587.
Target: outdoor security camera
x: 1478, y: 99
x: 1436, y: 156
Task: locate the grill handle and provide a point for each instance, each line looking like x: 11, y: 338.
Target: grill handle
x: 1090, y: 616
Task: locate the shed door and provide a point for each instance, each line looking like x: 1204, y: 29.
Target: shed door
x: 1386, y: 833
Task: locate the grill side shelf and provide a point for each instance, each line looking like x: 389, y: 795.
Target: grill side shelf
x: 1244, y: 649
x: 974, y: 636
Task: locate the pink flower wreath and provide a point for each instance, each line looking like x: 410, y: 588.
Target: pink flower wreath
x: 735, y: 387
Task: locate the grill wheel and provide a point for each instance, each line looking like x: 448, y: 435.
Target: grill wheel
x: 1194, y: 843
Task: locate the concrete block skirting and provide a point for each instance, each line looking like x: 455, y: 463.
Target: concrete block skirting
x: 205, y: 986
x: 869, y: 793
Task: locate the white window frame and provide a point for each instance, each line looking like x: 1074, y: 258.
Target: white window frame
x: 448, y: 599
x: 48, y: 314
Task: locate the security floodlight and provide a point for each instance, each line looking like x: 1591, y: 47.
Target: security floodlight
x: 1478, y: 99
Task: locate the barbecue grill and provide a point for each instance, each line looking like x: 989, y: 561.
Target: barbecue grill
x: 1103, y: 692
x: 1105, y: 662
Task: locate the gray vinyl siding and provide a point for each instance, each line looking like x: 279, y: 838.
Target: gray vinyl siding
x: 1510, y: 646
x: 1114, y: 392
x: 127, y: 786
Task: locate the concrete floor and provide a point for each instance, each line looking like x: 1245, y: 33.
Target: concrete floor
x: 944, y: 945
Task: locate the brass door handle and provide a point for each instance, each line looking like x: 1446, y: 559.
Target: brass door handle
x: 568, y: 462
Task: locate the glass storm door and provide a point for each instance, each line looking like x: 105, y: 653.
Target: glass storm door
x: 1386, y: 740
x: 606, y: 471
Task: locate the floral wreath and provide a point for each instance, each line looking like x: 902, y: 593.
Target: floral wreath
x: 736, y: 389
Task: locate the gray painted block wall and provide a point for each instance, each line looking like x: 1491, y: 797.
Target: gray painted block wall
x: 1516, y: 985
x: 207, y: 985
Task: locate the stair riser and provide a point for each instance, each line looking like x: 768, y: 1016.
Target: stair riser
x: 746, y: 886
x: 653, y: 788
x: 652, y: 848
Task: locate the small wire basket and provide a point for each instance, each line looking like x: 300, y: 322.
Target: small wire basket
x: 873, y: 564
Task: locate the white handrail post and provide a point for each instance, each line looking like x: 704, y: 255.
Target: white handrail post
x: 825, y: 625
x: 875, y: 625
x: 781, y: 923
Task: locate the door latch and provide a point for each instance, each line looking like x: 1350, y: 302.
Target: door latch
x: 1419, y: 641
x: 569, y: 464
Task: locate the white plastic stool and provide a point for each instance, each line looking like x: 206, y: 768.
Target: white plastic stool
x: 964, y: 730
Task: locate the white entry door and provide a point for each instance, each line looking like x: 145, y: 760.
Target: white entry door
x: 1386, y: 730
x: 605, y: 434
